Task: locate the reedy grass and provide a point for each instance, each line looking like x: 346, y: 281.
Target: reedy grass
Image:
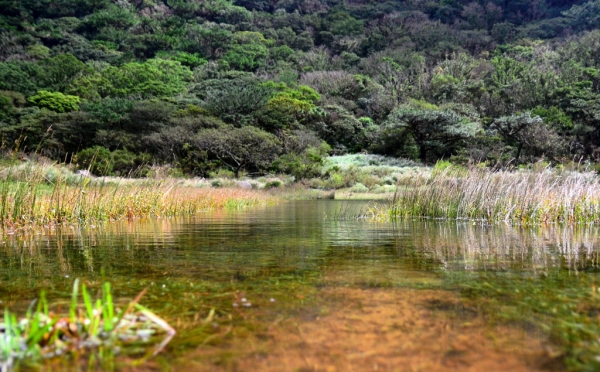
x: 29, y: 198
x: 520, y: 197
x: 45, y: 334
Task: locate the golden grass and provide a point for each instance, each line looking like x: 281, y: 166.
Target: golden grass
x: 29, y: 199
x: 523, y: 197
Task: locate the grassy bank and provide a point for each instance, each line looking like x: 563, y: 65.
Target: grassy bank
x: 41, y: 195
x: 523, y: 197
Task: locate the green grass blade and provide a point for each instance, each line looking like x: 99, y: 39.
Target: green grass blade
x: 87, y: 300
x: 73, y: 309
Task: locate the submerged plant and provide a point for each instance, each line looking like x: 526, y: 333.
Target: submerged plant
x: 43, y: 334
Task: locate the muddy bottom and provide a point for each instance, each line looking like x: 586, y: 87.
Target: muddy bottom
x: 358, y: 329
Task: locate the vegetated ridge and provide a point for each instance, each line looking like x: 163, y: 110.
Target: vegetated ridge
x: 256, y: 86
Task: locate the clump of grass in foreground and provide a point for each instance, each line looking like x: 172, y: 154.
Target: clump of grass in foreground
x: 523, y: 197
x: 28, y: 198
x: 97, y: 324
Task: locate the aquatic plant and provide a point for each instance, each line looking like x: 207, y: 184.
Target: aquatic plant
x: 35, y: 195
x: 523, y: 197
x: 45, y: 334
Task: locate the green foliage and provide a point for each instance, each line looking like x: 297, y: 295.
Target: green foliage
x: 288, y: 107
x: 18, y: 77
x: 97, y: 160
x: 555, y: 117
x: 55, y: 101
x: 101, y: 162
x: 304, y: 165
x: 433, y: 130
x: 246, y: 57
x: 381, y: 76
x: 114, y: 16
x: 59, y: 72
x: 247, y: 148
x: 236, y: 100
x: 186, y: 59
x: 6, y: 109
x: 11, y: 104
x: 585, y: 16
x: 342, y: 23
x: 155, y: 77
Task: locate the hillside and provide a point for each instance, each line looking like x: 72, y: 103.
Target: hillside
x: 274, y: 86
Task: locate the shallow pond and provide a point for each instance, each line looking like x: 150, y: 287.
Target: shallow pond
x: 294, y: 287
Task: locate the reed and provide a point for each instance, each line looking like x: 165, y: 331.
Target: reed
x: 43, y: 334
x: 33, y: 195
x: 520, y: 197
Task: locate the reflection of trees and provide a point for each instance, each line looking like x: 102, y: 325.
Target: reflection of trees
x: 215, y: 244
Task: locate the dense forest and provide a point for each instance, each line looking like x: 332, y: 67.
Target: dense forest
x: 262, y: 86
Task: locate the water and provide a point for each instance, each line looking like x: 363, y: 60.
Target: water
x: 294, y: 288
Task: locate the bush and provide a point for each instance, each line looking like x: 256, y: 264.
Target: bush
x: 359, y: 187
x: 101, y: 162
x: 55, y: 101
x: 97, y: 160
x: 273, y: 184
x: 125, y: 163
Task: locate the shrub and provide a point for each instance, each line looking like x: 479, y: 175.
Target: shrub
x: 97, y: 160
x: 273, y: 184
x: 55, y: 101
x: 101, y: 162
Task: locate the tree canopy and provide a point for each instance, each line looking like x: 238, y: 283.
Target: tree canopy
x: 173, y: 81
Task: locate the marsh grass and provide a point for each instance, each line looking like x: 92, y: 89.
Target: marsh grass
x: 522, y: 197
x: 44, y: 334
x: 41, y: 195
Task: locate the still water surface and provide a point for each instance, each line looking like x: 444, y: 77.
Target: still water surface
x: 294, y: 288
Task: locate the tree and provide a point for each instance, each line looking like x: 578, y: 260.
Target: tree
x: 527, y: 131
x: 585, y: 16
x: 235, y: 100
x: 432, y: 129
x: 240, y: 148
x: 59, y: 72
x: 55, y: 101
x: 18, y: 77
x: 246, y: 57
x: 155, y: 77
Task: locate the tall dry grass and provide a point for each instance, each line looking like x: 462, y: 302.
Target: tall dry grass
x: 515, y: 197
x: 35, y: 195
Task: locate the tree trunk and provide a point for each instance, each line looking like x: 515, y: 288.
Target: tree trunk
x: 423, y: 155
x: 519, y: 152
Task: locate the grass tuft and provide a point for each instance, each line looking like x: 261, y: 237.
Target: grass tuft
x: 43, y: 334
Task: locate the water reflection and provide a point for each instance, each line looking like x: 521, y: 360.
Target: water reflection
x: 297, y: 236
x: 290, y: 252
x: 488, y: 248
